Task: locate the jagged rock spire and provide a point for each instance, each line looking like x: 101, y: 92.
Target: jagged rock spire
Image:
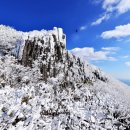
x: 48, y: 48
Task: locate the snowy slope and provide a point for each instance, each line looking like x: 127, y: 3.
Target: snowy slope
x: 44, y: 87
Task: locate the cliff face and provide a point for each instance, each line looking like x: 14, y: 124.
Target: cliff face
x: 48, y: 50
x: 49, y: 47
x: 44, y: 87
x: 48, y: 53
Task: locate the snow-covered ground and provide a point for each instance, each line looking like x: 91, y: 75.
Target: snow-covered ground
x: 44, y: 87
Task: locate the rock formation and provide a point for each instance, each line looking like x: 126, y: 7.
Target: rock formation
x: 44, y: 87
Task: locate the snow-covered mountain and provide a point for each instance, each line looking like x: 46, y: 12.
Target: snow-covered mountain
x: 44, y: 87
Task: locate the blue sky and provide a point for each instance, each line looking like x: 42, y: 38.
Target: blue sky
x: 103, y: 27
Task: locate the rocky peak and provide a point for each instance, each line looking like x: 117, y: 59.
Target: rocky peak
x: 46, y: 50
x: 32, y: 46
x: 46, y: 47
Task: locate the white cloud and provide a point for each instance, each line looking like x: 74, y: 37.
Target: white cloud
x: 127, y: 63
x: 89, y: 54
x: 101, y: 19
x: 83, y: 27
x: 110, y: 48
x: 109, y: 5
x: 125, y: 57
x: 119, y: 6
x: 123, y: 6
x: 113, y: 6
x: 118, y: 32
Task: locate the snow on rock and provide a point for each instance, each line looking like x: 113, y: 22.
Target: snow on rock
x: 44, y: 87
x: 8, y: 38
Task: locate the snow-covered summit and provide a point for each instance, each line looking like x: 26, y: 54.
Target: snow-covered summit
x: 10, y: 38
x: 44, y: 87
